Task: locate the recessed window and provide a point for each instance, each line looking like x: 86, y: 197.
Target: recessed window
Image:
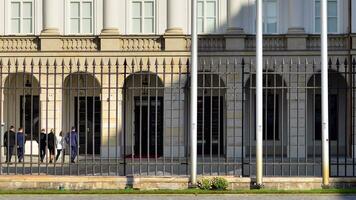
x: 143, y: 16
x: 207, y: 16
x: 332, y: 16
x: 81, y: 17
x: 21, y: 16
x: 270, y: 16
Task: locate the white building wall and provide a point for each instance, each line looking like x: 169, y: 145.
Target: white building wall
x: 248, y: 14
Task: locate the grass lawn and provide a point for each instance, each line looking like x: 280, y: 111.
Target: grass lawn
x: 187, y: 191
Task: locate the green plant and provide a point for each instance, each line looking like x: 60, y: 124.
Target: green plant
x: 204, y: 184
x: 219, y: 183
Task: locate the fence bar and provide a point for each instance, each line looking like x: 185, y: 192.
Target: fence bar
x: 324, y: 92
x: 259, y: 94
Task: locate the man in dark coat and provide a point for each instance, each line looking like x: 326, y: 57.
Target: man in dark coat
x: 43, y: 144
x: 9, y: 142
x: 20, y: 144
x: 72, y: 140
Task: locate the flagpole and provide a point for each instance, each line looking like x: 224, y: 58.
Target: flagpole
x: 324, y: 92
x: 193, y: 95
x: 259, y: 93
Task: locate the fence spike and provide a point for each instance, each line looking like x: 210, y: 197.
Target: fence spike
x: 180, y: 62
x: 24, y: 62
x: 86, y: 64
x: 354, y: 62
x: 32, y: 63
x: 172, y: 62
x: 125, y: 63
x: 8, y: 62
x: 109, y: 63
x: 141, y: 62
x: 242, y: 62
x: 78, y: 63
x: 117, y: 63
x: 55, y: 62
x: 133, y: 63
x: 164, y: 62
x: 71, y: 62
x: 148, y: 62
x: 63, y: 64
x: 345, y: 62
x: 16, y: 62
x: 102, y: 62
x: 47, y: 63
x: 1, y: 62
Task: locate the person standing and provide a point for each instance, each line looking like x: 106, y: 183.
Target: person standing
x: 60, y: 146
x: 72, y: 140
x: 51, y: 144
x: 9, y: 142
x: 20, y: 144
x: 43, y: 144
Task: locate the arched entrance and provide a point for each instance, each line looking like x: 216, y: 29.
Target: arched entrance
x: 143, y: 93
x: 82, y: 109
x: 337, y: 114
x: 22, y: 103
x: 211, y: 114
x: 274, y: 114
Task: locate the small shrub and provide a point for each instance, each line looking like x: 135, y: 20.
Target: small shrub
x: 219, y: 183
x: 204, y: 184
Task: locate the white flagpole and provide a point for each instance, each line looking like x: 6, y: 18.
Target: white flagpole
x: 324, y: 92
x: 259, y: 93
x: 193, y: 95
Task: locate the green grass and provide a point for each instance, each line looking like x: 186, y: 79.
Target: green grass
x: 187, y: 191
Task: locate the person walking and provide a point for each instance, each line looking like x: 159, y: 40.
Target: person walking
x: 20, y: 144
x: 60, y: 145
x: 72, y: 140
x: 51, y: 144
x: 43, y: 144
x: 9, y: 142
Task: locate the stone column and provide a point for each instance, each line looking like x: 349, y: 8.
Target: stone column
x: 111, y: 17
x: 176, y: 17
x: 296, y: 16
x: 176, y: 12
x: 235, y: 38
x: 296, y: 38
x: 50, y: 17
x: 109, y: 40
x: 235, y: 16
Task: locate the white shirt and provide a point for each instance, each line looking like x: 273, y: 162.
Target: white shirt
x: 60, y: 142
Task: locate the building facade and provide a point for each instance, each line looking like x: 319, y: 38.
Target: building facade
x: 118, y: 71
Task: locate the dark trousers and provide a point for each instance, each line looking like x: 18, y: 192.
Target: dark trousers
x: 73, y: 153
x: 59, y: 153
x: 9, y: 152
x: 42, y: 152
x: 20, y: 153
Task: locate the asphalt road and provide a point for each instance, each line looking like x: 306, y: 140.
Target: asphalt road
x: 178, y: 197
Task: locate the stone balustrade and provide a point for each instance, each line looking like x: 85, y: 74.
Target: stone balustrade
x: 139, y: 43
x: 19, y: 43
x: 336, y: 42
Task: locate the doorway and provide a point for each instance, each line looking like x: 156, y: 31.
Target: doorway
x: 148, y: 126
x: 29, y: 115
x: 88, y: 124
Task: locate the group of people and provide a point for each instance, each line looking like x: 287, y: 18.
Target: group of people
x: 47, y: 141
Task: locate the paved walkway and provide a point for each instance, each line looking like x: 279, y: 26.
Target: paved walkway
x: 178, y: 197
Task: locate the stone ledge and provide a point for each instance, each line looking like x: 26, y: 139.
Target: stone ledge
x: 9, y: 182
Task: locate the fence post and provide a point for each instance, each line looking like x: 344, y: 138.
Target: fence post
x: 324, y: 93
x: 259, y: 94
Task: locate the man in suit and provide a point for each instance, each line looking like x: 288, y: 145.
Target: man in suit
x: 72, y: 140
x: 20, y: 144
x: 9, y: 142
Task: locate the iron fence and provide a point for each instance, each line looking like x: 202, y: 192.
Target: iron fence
x: 129, y: 116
